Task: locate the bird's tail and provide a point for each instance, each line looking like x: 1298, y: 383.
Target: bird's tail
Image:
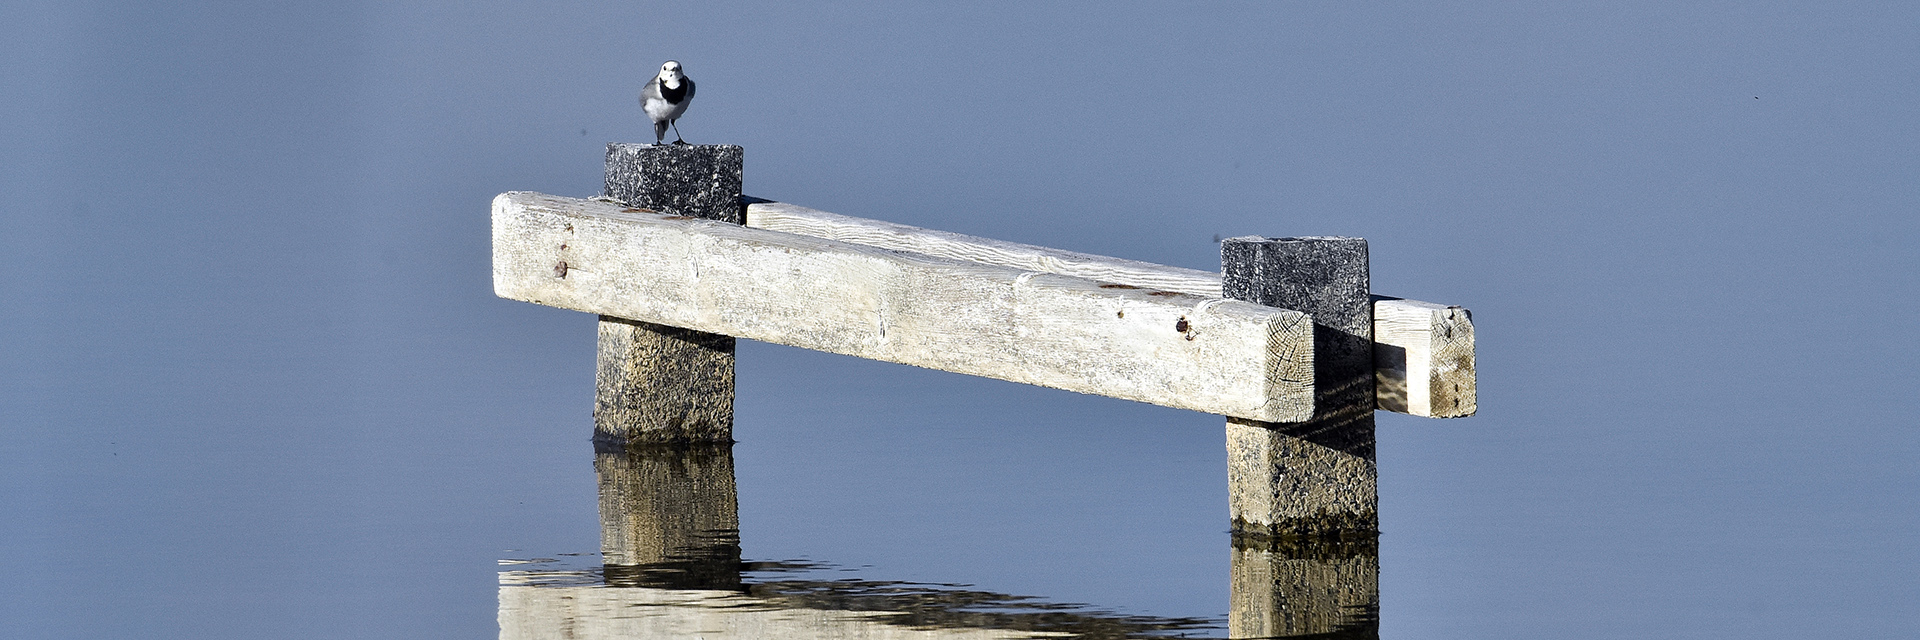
x: 659, y: 132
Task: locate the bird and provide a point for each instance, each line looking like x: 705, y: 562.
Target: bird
x: 666, y: 97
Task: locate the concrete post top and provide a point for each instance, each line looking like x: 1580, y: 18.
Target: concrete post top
x: 1293, y: 239
x: 697, y: 180
x: 637, y: 147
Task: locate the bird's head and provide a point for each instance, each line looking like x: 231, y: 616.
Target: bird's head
x: 670, y: 73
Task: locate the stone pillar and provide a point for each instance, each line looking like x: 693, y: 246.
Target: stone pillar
x: 1322, y: 589
x: 1312, y: 479
x: 659, y: 384
x: 669, y: 516
x: 698, y: 180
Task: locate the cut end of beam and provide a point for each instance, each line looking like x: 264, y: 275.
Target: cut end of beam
x: 1424, y: 358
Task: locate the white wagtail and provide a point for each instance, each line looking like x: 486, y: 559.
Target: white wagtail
x: 665, y: 98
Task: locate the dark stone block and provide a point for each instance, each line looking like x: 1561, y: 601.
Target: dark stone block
x: 701, y: 181
x: 1327, y: 278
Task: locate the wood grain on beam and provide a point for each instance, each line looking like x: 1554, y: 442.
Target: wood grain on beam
x: 1445, y: 376
x: 780, y: 216
x: 1112, y: 339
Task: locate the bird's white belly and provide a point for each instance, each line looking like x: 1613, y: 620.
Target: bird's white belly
x: 662, y: 111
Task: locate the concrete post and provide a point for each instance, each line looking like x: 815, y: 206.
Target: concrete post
x: 698, y: 180
x: 1312, y: 479
x: 669, y: 516
x: 658, y: 384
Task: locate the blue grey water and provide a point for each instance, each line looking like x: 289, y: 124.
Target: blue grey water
x: 254, y: 381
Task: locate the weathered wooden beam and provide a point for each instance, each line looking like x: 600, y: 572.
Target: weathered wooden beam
x: 1162, y: 347
x: 780, y: 216
x: 1446, y: 376
x: 1423, y: 358
x: 1312, y: 478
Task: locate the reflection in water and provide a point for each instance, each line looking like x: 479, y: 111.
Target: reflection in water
x: 670, y: 548
x: 798, y: 600
x: 1312, y: 588
x: 669, y: 516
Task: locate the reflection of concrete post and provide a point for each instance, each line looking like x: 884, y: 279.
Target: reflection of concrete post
x: 1315, y: 478
x: 659, y: 384
x: 1305, y: 589
x: 670, y: 515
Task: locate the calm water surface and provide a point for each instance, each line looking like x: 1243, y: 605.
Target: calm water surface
x: 256, y: 384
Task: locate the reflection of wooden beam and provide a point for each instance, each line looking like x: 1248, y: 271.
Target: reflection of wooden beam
x: 1437, y: 382
x: 1173, y: 349
x: 532, y: 612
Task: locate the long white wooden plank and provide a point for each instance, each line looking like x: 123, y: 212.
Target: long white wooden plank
x: 1439, y: 383
x: 1168, y: 348
x: 780, y: 216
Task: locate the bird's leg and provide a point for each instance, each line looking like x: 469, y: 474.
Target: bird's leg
x: 676, y: 133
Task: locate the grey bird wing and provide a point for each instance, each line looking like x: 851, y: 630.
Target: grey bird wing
x: 652, y: 91
x: 689, y: 82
